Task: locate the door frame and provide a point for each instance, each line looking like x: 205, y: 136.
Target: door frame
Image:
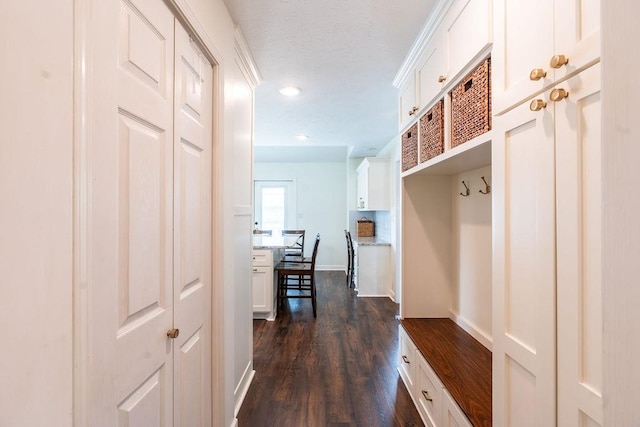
x: 83, y: 109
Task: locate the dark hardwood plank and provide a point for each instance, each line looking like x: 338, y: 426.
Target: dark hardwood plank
x: 339, y: 369
x: 460, y: 361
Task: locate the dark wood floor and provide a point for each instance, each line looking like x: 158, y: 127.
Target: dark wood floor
x: 336, y: 370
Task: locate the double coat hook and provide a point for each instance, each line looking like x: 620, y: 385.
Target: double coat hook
x: 466, y: 190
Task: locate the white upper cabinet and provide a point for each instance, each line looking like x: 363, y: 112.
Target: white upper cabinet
x: 373, y: 184
x: 548, y: 41
x: 466, y: 31
x: 456, y: 35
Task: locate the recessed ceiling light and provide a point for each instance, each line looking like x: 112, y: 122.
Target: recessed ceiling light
x: 290, y: 91
x: 301, y: 137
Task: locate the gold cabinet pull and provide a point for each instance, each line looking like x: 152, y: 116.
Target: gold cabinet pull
x: 558, y: 61
x: 413, y: 111
x: 425, y: 393
x: 537, y: 105
x: 173, y: 333
x: 537, y: 74
x: 441, y: 79
x: 558, y: 94
x: 405, y: 359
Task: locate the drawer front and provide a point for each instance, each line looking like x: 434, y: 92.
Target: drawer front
x: 428, y: 392
x: 262, y: 258
x: 451, y: 412
x: 406, y: 360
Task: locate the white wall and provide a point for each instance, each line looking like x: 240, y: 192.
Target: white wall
x: 321, y: 195
x: 471, y: 293
x: 36, y: 165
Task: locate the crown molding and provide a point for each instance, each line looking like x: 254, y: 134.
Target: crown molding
x: 426, y: 33
x: 246, y: 58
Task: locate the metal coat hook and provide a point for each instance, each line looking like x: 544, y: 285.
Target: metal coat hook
x: 466, y: 191
x: 487, y: 189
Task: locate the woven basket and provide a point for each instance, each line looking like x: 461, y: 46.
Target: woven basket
x: 365, y: 228
x: 471, y: 105
x: 432, y: 132
x: 410, y: 148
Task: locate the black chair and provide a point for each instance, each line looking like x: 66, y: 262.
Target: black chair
x: 350, y: 259
x: 305, y: 284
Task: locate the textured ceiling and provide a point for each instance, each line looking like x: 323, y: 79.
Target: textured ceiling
x: 343, y: 54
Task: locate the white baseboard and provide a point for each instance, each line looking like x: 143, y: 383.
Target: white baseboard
x: 373, y: 295
x: 243, y: 387
x: 472, y: 329
x: 234, y: 423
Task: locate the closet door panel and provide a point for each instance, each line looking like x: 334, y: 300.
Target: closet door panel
x: 524, y: 269
x: 579, y: 184
x: 192, y: 233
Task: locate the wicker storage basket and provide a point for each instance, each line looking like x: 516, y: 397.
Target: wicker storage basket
x: 432, y: 132
x: 410, y: 148
x: 471, y: 105
x: 365, y: 228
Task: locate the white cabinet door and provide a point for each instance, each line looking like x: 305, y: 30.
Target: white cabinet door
x: 528, y: 35
x: 261, y: 283
x: 407, y: 102
x: 578, y: 175
x: 192, y: 233
x: 362, y: 180
x: 466, y: 31
x: 524, y: 284
x: 430, y: 73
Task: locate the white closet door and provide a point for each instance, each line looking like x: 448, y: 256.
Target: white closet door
x: 192, y: 238
x: 579, y: 205
x: 524, y: 292
x: 131, y: 215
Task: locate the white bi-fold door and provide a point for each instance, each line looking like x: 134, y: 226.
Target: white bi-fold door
x: 149, y: 214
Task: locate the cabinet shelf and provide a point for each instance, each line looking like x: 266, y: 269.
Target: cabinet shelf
x: 472, y: 154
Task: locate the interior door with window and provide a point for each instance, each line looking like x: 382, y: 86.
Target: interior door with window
x: 275, y: 205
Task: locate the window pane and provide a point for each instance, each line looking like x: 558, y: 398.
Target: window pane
x: 273, y: 208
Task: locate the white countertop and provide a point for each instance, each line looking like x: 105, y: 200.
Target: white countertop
x: 370, y: 241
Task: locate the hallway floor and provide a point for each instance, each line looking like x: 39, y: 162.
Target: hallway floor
x: 336, y: 370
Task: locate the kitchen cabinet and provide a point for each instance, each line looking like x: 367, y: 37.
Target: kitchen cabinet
x: 264, y: 283
x: 373, y: 273
x: 458, y: 34
x: 547, y: 251
x: 530, y: 40
x: 373, y: 184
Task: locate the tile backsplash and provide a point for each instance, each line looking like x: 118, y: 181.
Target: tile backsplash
x: 382, y: 221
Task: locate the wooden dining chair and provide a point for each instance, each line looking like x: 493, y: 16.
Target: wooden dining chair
x: 296, y: 250
x: 305, y: 284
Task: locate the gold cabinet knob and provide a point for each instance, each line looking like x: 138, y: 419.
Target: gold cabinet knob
x: 173, y: 333
x: 558, y: 94
x: 537, y: 74
x: 537, y: 105
x: 558, y: 61
x: 441, y: 79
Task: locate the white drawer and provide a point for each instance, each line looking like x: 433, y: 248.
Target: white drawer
x: 262, y: 258
x: 451, y: 412
x: 406, y: 359
x: 428, y: 392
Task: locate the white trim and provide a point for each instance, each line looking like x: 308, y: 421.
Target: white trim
x: 190, y: 21
x: 428, y: 30
x: 373, y: 295
x: 472, y: 329
x: 81, y: 102
x: 242, y: 389
x: 329, y: 267
x: 247, y: 63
